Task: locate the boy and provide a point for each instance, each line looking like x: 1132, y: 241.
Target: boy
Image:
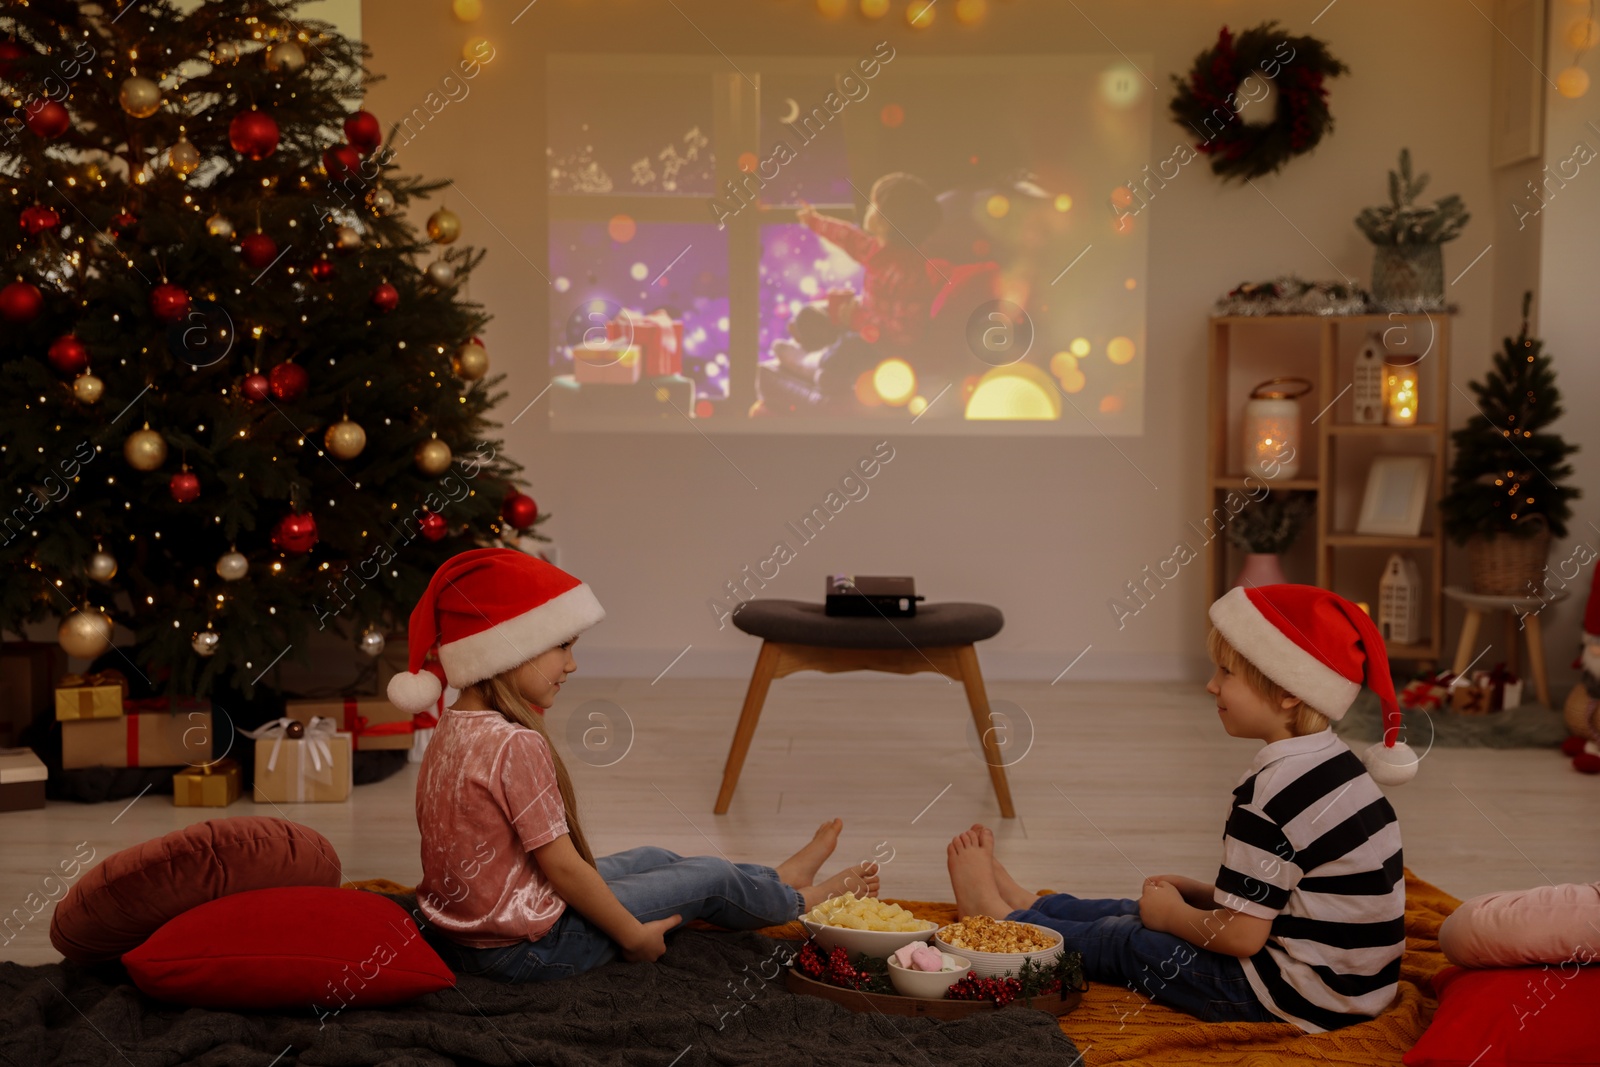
x: 1306, y: 921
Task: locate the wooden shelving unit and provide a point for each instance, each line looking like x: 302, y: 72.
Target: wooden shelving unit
x: 1335, y: 455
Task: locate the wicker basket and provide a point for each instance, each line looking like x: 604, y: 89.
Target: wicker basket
x: 1504, y: 565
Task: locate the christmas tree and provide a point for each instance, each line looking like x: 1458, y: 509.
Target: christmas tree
x: 246, y: 403
x: 1507, y: 470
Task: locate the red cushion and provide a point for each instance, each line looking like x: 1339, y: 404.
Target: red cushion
x: 289, y: 948
x: 126, y: 898
x: 1521, y: 1016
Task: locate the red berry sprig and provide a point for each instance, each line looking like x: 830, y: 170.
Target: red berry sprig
x: 1001, y: 991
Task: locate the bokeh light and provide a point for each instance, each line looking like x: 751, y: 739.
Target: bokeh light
x: 621, y: 228
x: 918, y: 405
x: 467, y: 10
x: 1572, y: 82
x: 892, y: 115
x: 703, y: 408
x: 831, y: 8
x: 1073, y: 381
x: 895, y: 381
x: 638, y: 272
x: 1130, y: 284
x: 1079, y: 346
x: 1584, y: 34
x: 874, y: 9
x: 1122, y: 196
x: 475, y: 49
x: 998, y: 206
x: 1119, y: 350
x: 971, y: 12
x: 1062, y: 362
x: 865, y: 393
x: 1063, y: 202
x: 1121, y: 85
x: 919, y: 13
x: 1019, y: 392
x: 748, y: 161
x: 1110, y: 405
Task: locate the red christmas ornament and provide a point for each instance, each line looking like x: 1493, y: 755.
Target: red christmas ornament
x: 321, y: 270
x: 255, y: 387
x: 184, y: 486
x: 295, y: 533
x: 122, y: 221
x: 288, y: 381
x: 10, y: 52
x: 519, y: 510
x: 434, y: 527
x: 362, y: 130
x: 253, y: 134
x: 37, y: 218
x: 20, y: 302
x: 258, y: 250
x: 169, y: 303
x: 47, y: 118
x: 68, y: 356
x: 341, y: 161
x: 386, y: 298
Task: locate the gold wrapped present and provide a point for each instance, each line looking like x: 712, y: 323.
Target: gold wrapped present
x: 91, y: 696
x: 210, y: 785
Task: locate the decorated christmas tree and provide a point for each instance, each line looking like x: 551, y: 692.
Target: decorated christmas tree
x: 1508, y: 469
x: 244, y: 398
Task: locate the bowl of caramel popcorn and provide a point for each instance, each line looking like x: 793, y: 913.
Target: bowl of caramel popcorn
x: 996, y: 947
x: 864, y: 925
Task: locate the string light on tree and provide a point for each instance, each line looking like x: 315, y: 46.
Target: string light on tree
x: 219, y: 226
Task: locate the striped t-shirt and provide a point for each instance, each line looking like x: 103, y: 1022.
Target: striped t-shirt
x: 1313, y: 845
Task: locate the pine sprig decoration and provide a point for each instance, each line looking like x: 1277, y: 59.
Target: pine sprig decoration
x: 1271, y: 524
x: 1402, y: 222
x: 1508, y: 470
x: 128, y: 220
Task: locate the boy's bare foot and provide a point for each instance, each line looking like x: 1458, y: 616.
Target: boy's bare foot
x: 1011, y: 890
x: 862, y: 880
x: 972, y: 877
x: 801, y: 868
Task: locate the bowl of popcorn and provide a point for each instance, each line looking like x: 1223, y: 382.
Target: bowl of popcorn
x: 864, y: 925
x: 919, y: 970
x: 995, y: 947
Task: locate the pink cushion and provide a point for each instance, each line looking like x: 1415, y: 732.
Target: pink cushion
x: 289, y: 949
x: 132, y: 893
x: 1550, y: 924
x: 1519, y: 1017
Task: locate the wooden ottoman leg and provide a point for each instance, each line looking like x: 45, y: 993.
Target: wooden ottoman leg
x: 978, y: 700
x: 1469, y: 637
x: 754, y: 697
x: 1536, y: 658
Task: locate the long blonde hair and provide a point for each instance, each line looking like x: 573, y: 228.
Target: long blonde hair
x: 501, y: 694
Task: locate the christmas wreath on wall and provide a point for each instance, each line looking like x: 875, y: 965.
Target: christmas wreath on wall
x: 1257, y: 100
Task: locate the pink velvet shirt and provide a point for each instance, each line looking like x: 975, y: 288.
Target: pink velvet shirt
x: 486, y: 797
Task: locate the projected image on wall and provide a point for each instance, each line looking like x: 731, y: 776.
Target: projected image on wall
x: 955, y: 245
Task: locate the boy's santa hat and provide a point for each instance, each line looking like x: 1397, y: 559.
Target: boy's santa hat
x: 489, y: 610
x: 1322, y: 649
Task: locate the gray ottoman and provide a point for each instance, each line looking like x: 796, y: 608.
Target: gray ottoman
x: 797, y: 636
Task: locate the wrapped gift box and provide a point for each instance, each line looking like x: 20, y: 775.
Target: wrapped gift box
x: 139, y: 739
x: 22, y: 778
x: 372, y: 722
x: 613, y: 363
x: 314, y: 768
x: 29, y: 671
x: 658, y: 336
x: 91, y: 696
x: 210, y: 785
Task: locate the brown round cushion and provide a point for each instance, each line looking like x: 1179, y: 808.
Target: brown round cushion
x: 801, y: 622
x: 129, y: 896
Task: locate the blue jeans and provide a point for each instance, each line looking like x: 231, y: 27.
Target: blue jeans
x: 651, y: 883
x: 1118, y: 948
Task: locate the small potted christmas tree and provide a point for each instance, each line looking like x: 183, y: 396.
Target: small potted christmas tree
x: 1408, y: 256
x: 1506, y: 498
x: 1264, y: 531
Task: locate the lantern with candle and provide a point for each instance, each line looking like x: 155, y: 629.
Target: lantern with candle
x: 1400, y: 396
x: 1271, y: 428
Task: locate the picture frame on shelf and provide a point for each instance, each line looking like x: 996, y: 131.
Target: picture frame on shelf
x: 1396, y: 496
x: 1516, y: 128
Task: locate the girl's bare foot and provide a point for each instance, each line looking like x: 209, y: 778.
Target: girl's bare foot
x: 862, y: 880
x: 1010, y: 890
x: 801, y: 869
x: 972, y: 877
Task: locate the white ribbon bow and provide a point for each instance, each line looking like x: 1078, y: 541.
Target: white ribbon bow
x: 319, y: 731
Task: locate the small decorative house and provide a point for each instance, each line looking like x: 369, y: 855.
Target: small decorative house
x: 1400, y: 601
x: 1366, y: 394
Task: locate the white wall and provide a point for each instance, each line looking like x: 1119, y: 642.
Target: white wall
x: 1048, y: 529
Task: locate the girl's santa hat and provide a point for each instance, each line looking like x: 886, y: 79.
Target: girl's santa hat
x: 1321, y: 648
x: 1590, y: 658
x: 489, y: 610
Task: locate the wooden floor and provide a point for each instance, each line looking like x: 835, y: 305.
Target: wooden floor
x: 1122, y: 780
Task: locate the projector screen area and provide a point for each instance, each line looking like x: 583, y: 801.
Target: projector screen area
x: 820, y: 244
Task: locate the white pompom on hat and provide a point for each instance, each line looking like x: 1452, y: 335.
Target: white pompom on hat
x: 1321, y: 648
x: 488, y: 610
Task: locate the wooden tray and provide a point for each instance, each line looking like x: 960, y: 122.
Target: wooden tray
x: 894, y: 1004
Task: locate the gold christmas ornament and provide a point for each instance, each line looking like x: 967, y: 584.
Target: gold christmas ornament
x: 471, y: 361
x: 102, y: 567
x: 444, y: 227
x: 441, y: 273
x: 433, y: 457
x: 225, y: 52
x: 231, y: 566
x: 347, y: 238
x: 140, y: 97
x: 345, y: 439
x: 88, y: 389
x: 145, y: 450
x: 382, y: 201
x: 285, y: 57
x: 372, y: 642
x: 219, y: 226
x: 183, y: 158
x: 85, y: 634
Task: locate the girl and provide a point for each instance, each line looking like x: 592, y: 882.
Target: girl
x: 508, y: 879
